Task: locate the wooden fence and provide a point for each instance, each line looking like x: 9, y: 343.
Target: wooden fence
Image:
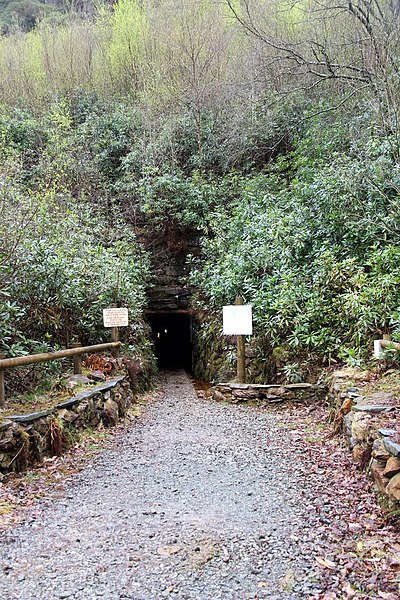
x: 76, y: 352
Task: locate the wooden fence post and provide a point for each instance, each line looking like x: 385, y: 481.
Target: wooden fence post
x: 115, y: 338
x: 2, y: 390
x: 241, y: 351
x: 77, y: 359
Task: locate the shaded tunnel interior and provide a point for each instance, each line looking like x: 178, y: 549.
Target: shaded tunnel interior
x: 172, y: 337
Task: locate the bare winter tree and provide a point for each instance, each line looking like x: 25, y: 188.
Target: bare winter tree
x: 189, y: 55
x: 352, y: 44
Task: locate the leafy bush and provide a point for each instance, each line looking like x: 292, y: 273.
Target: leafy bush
x: 317, y: 254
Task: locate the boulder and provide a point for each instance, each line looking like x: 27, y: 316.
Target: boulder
x: 7, y: 443
x: 219, y: 396
x: 392, y: 466
x: 392, y: 447
x: 387, y: 432
x: 299, y: 386
x: 379, y: 451
x: 360, y: 427
x: 110, y: 412
x: 5, y: 424
x: 70, y: 416
x: 346, y: 406
x: 377, y: 471
x: 97, y: 376
x: 373, y: 408
x: 245, y: 394
x: 347, y: 428
x: 4, y: 461
x: 76, y: 380
x: 385, y: 398
x: 280, y: 392
x: 393, y: 487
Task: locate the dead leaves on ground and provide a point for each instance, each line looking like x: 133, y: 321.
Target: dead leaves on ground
x: 347, y: 593
x: 362, y: 559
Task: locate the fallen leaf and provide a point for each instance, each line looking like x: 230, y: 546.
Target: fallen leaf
x: 394, y: 562
x: 325, y: 562
x: 168, y: 550
x: 347, y: 589
x: 288, y: 581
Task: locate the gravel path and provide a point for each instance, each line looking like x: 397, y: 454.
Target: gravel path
x: 197, y: 500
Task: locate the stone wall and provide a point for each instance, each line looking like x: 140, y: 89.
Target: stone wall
x: 369, y: 423
x: 26, y: 439
x: 265, y: 394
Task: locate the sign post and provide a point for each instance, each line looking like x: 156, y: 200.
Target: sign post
x: 2, y: 390
x: 241, y: 351
x: 115, y: 318
x: 237, y: 320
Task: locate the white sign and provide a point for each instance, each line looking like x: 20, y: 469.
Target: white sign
x: 237, y: 320
x: 115, y: 317
x: 378, y: 349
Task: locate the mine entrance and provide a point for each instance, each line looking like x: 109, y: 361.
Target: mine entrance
x: 172, y: 337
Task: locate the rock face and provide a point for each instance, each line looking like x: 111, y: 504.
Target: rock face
x: 26, y: 439
x: 267, y: 394
x: 170, y: 267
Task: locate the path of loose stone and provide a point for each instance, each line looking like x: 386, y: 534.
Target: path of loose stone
x: 195, y: 501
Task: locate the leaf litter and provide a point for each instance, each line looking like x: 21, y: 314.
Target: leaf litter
x: 363, y: 540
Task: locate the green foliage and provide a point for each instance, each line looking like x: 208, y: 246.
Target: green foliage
x: 161, y: 118
x: 62, y: 258
x: 317, y: 254
x: 24, y: 13
x: 186, y: 201
x: 69, y: 268
x: 126, y: 44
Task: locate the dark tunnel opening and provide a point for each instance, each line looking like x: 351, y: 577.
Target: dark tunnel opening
x: 172, y: 338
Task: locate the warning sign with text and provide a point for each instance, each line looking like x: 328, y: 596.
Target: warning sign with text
x: 115, y: 317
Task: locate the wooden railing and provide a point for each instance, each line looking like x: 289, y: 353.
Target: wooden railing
x: 30, y: 359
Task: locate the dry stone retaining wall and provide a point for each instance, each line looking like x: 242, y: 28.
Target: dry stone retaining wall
x: 374, y: 445
x: 26, y: 439
x: 267, y: 394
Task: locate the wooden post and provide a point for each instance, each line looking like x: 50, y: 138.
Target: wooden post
x: 2, y: 390
x: 241, y: 351
x: 115, y: 338
x: 77, y: 359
